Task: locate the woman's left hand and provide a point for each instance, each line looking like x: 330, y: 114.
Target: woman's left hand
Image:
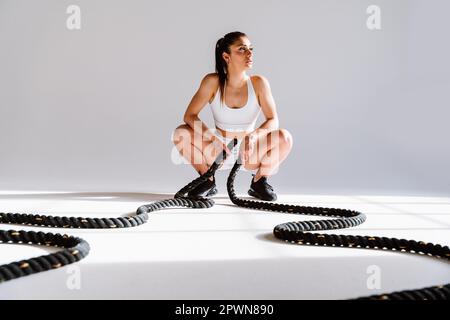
x: 248, y: 147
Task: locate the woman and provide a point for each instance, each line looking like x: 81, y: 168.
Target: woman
x: 236, y: 99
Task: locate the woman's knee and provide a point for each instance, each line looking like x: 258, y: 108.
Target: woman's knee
x: 285, y: 137
x: 279, y: 137
x: 181, y: 133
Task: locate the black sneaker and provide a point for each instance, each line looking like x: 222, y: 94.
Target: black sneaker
x: 262, y: 190
x: 205, y: 189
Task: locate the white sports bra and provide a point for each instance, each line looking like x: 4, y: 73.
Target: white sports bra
x: 236, y: 119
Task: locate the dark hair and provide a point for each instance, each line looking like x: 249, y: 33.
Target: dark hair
x: 223, y: 45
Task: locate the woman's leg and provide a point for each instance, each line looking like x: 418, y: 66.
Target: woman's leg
x: 269, y: 152
x: 191, y: 145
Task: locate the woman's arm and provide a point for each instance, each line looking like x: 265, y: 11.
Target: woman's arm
x: 268, y: 107
x: 198, y: 102
x: 267, y: 103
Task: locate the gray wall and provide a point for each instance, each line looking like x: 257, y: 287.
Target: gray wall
x: 94, y: 109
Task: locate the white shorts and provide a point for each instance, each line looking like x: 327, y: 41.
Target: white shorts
x: 232, y: 158
x: 177, y: 158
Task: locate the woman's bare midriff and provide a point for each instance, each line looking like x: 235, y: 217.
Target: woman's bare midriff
x: 231, y: 135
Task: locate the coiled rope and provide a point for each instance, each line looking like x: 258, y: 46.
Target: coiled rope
x: 75, y: 249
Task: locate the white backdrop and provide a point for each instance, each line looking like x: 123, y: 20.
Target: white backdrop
x: 93, y: 109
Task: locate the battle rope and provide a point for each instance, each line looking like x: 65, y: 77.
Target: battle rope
x: 75, y: 249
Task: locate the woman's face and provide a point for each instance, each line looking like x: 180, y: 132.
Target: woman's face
x: 241, y: 55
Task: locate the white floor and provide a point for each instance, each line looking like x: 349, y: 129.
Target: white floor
x: 227, y: 252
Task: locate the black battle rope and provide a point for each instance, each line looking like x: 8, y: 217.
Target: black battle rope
x: 75, y: 249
